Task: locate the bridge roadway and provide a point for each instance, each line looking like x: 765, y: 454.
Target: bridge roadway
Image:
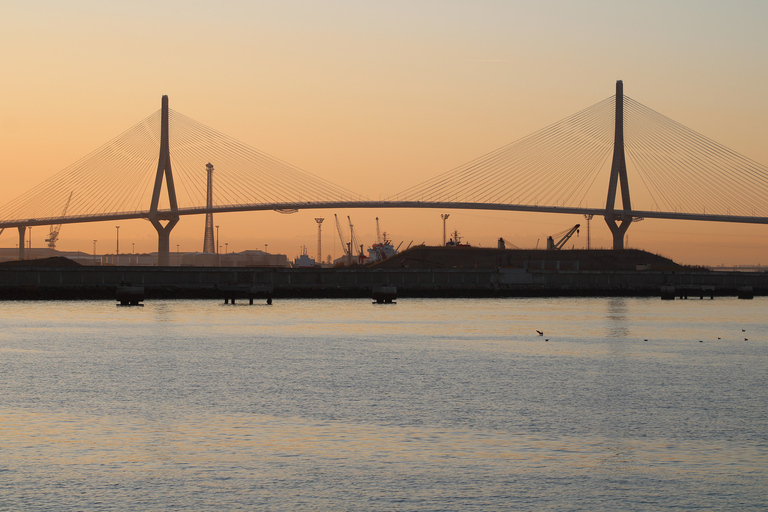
x: 316, y: 205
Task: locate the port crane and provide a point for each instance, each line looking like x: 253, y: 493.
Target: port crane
x: 354, y: 243
x: 503, y: 243
x: 54, y: 233
x: 566, y: 235
x: 345, y: 246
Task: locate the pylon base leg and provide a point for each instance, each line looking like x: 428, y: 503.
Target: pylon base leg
x: 618, y: 231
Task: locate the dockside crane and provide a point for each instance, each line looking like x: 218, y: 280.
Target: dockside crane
x: 503, y: 243
x: 566, y: 235
x: 55, y: 229
x: 345, y: 246
x: 354, y: 242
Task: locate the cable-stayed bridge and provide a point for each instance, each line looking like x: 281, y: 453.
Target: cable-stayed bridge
x: 156, y: 170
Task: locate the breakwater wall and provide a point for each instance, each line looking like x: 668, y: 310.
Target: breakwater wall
x: 23, y: 283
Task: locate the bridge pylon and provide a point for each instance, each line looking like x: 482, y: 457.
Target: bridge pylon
x: 164, y: 170
x: 618, y: 177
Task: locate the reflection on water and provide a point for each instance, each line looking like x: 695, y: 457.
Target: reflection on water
x: 426, y: 405
x: 616, y: 317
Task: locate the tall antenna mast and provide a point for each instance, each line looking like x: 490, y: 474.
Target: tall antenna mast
x: 319, y: 221
x: 209, y: 245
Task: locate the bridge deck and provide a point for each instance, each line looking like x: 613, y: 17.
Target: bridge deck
x: 598, y: 212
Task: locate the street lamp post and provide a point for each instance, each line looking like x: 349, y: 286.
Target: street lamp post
x: 94, y: 251
x: 218, y: 247
x: 178, y: 257
x: 117, y: 244
x: 444, y: 216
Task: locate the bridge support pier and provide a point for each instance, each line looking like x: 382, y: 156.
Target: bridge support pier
x: 618, y: 231
x: 22, y: 241
x: 164, y: 241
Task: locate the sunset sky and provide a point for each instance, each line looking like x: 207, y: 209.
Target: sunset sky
x: 377, y: 97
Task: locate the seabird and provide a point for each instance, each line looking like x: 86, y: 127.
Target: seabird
x: 540, y: 333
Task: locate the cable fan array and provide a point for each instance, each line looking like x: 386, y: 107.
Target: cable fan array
x: 685, y: 172
x: 242, y: 175
x: 670, y: 168
x: 115, y: 178
x: 118, y: 177
x: 555, y: 166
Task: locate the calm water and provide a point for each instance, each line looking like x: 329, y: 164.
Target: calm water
x: 422, y: 405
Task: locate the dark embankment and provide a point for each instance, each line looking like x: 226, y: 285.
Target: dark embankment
x: 488, y: 258
x: 418, y: 272
x: 55, y: 262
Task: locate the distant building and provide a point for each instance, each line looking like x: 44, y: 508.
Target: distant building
x: 80, y: 257
x: 200, y: 259
x: 130, y: 259
x: 253, y: 259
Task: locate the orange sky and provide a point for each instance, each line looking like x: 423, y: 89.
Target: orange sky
x: 376, y: 96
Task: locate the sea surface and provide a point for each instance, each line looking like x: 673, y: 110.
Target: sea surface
x: 423, y: 405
